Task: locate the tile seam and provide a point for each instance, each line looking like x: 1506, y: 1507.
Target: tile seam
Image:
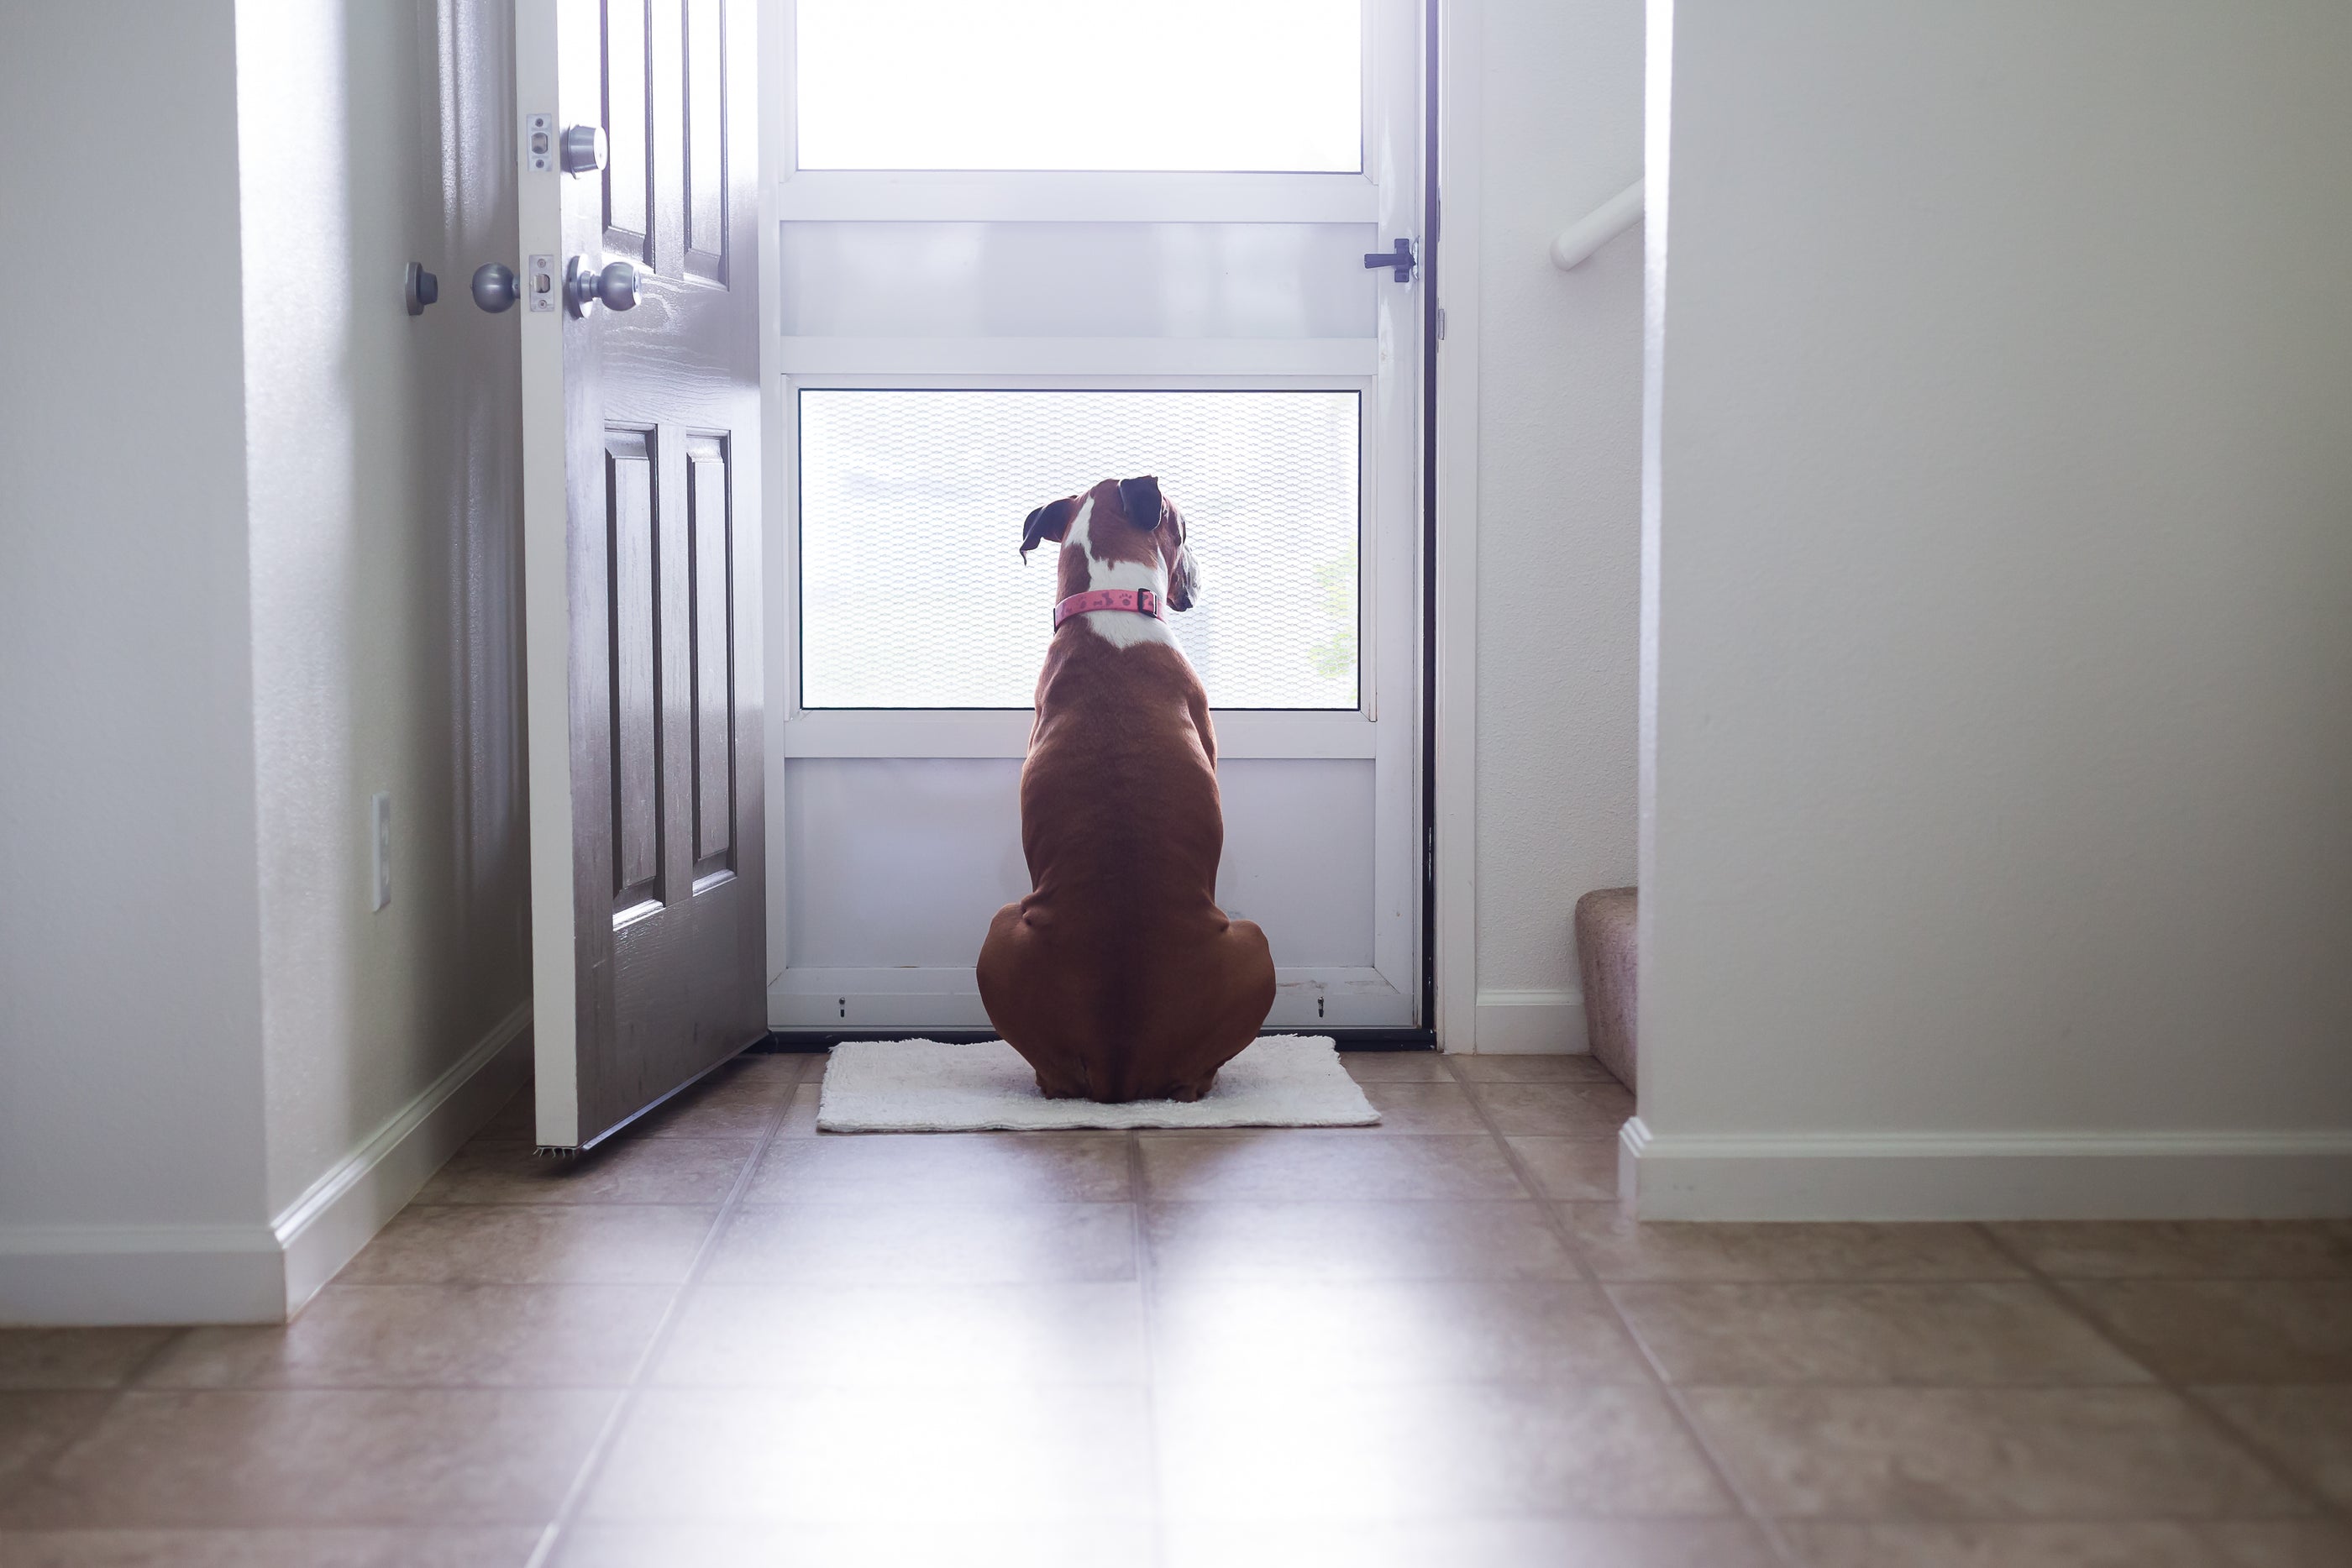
x: 600, y: 1448
x: 1775, y: 1543
x: 2229, y: 1434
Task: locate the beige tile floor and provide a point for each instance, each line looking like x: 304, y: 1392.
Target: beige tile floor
x: 727, y: 1340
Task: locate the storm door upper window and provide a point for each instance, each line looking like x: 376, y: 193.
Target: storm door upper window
x: 1231, y: 86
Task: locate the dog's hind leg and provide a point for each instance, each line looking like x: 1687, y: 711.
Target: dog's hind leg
x: 1019, y: 987
x: 1232, y: 1007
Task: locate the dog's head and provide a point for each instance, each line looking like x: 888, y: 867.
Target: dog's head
x: 1127, y: 520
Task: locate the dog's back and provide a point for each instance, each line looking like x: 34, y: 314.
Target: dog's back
x: 1117, y: 977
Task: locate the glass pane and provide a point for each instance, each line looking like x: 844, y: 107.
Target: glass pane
x: 1080, y: 84
x: 913, y: 592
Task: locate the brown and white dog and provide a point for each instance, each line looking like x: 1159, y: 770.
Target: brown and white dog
x: 1118, y: 978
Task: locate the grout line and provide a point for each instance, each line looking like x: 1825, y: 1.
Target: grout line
x: 131, y: 1381
x: 2186, y: 1393
x: 164, y: 1347
x: 122, y: 1389
x: 1143, y: 1282
x: 600, y: 1449
x: 1775, y: 1543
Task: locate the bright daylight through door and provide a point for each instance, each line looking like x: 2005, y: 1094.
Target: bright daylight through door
x: 1230, y: 85
x: 1022, y: 248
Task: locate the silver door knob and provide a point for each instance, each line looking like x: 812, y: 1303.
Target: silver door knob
x: 615, y: 286
x: 494, y: 287
x: 584, y: 149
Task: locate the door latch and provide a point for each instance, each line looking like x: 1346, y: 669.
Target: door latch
x: 1401, y: 259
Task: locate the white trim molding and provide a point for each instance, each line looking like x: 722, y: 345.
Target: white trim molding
x: 1128, y: 358
x: 1985, y: 1175
x: 1022, y: 195
x: 99, y: 1275
x: 1004, y: 733
x: 1527, y: 1023
x: 325, y: 1227
x: 103, y: 1275
x: 546, y: 609
x: 1454, y: 811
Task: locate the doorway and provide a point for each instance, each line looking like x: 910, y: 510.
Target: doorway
x: 1014, y: 250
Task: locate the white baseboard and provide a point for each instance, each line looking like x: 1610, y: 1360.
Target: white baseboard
x: 2028, y: 1175
x: 103, y: 1275
x: 98, y: 1275
x: 325, y: 1227
x: 1528, y: 1023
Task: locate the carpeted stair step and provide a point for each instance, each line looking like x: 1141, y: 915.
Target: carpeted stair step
x: 1605, y: 956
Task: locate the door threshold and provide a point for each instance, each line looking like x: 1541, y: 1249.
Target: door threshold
x: 784, y: 1041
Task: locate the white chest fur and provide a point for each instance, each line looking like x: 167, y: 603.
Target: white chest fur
x: 1119, y: 628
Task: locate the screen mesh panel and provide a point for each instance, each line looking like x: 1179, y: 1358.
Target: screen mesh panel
x: 1236, y: 85
x: 913, y: 593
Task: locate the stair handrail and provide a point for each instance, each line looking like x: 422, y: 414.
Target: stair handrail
x: 1574, y: 245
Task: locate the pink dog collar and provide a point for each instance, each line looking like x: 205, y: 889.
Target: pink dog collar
x: 1142, y: 600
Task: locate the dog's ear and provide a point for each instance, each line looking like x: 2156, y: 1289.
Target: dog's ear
x: 1184, y: 580
x: 1141, y: 498
x: 1050, y: 521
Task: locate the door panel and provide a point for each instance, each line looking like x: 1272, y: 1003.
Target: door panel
x: 705, y: 203
x: 862, y: 831
x: 1285, y: 815
x: 643, y: 619
x: 632, y: 551
x: 906, y: 857
x: 713, y: 622
x: 627, y: 118
x: 666, y: 150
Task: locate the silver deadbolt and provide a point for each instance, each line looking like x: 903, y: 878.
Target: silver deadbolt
x: 584, y: 286
x: 494, y: 287
x: 584, y: 149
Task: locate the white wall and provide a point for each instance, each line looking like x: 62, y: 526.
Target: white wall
x: 382, y: 454
x: 1998, y: 856
x: 1554, y: 90
x: 129, y: 970
x: 261, y: 562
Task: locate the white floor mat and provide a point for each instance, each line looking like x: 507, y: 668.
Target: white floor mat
x: 925, y: 1086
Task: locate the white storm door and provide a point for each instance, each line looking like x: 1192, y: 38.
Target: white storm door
x: 1011, y: 260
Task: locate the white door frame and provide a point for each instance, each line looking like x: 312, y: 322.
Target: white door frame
x: 546, y: 594
x: 1394, y: 38
x: 1455, y: 806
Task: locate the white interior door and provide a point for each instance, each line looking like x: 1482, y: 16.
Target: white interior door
x: 1010, y: 259
x: 641, y: 502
